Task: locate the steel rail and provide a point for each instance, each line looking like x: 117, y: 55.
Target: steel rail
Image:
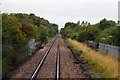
x: 58, y: 63
x: 33, y: 77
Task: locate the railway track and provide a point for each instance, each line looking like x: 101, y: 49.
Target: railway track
x: 56, y: 62
x: 38, y: 68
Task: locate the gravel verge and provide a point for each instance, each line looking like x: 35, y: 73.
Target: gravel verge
x: 26, y: 69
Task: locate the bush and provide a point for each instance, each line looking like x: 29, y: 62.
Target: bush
x: 84, y: 36
x: 17, y: 29
x: 106, y: 31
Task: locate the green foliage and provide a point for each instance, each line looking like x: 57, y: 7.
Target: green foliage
x: 88, y: 33
x: 116, y: 36
x: 105, y: 31
x: 43, y: 33
x: 17, y: 29
x: 106, y: 24
x: 68, y: 30
x: 12, y: 34
x: 30, y: 30
x: 85, y: 36
x: 109, y: 36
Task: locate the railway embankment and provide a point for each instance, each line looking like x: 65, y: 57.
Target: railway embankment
x: 103, y: 65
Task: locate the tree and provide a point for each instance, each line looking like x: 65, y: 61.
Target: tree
x: 105, y: 31
x: 17, y: 29
x: 12, y: 34
x: 106, y: 23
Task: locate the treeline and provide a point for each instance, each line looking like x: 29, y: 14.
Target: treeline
x: 17, y: 29
x: 106, y: 31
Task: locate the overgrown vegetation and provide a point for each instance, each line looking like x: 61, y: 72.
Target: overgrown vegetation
x: 105, y: 66
x: 106, y: 31
x: 17, y: 29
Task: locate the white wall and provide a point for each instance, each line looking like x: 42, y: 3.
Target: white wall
x: 113, y: 50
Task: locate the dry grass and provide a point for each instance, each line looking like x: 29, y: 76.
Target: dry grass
x: 105, y: 65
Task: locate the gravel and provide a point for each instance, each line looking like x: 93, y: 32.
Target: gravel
x: 48, y: 69
x: 68, y: 66
x: 26, y: 70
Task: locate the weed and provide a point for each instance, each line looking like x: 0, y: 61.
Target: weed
x: 105, y: 65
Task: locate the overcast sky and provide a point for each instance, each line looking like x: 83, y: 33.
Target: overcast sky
x: 62, y: 11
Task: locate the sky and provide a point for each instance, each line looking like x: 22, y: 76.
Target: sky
x: 62, y: 11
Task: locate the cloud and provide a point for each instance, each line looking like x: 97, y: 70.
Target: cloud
x: 61, y: 11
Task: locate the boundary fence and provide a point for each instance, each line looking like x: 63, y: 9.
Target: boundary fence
x: 112, y: 50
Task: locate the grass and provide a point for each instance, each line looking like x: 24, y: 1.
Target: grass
x: 105, y: 66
